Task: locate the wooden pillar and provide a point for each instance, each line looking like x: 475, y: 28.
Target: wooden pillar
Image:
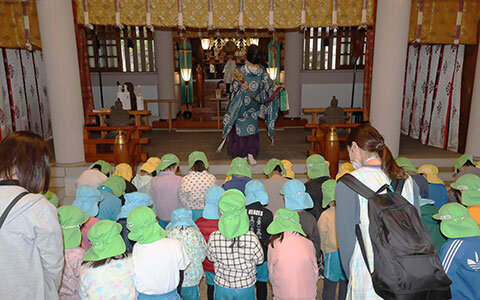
x: 332, y: 149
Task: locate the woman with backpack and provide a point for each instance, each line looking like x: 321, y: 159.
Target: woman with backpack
x: 374, y: 168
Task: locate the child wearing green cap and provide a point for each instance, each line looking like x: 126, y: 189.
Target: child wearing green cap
x: 207, y: 224
x: 164, y: 189
x: 234, y: 250
x: 183, y: 228
x: 460, y: 255
x: 333, y: 271
x: 318, y: 172
x: 469, y: 187
x: 71, y: 218
x: 158, y: 261
x: 107, y: 272
x: 433, y: 226
x: 240, y: 173
x: 256, y: 198
x: 195, y: 183
x: 465, y: 165
x: 292, y: 263
x: 274, y: 170
x: 96, y: 175
x: 132, y: 200
x: 111, y: 190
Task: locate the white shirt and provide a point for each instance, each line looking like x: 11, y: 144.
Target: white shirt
x: 92, y: 177
x: 158, y: 264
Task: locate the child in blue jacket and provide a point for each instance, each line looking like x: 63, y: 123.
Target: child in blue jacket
x: 460, y: 255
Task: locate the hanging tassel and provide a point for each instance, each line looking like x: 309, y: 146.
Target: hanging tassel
x: 180, y: 15
x: 149, y: 16
x: 456, y: 41
x: 28, y: 43
x: 303, y: 15
x: 219, y: 149
x: 241, y: 25
x: 117, y: 14
x: 334, y: 14
x: 85, y: 15
x: 210, y: 15
x: 271, y: 25
x: 364, y: 15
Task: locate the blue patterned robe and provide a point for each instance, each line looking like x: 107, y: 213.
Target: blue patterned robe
x: 243, y: 111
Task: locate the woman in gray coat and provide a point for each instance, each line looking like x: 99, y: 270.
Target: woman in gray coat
x: 31, y: 249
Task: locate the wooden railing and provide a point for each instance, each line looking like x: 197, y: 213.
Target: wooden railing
x: 102, y: 148
x: 169, y: 101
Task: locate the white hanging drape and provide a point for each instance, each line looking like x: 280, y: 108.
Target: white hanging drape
x: 431, y: 103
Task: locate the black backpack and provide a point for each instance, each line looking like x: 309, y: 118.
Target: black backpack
x: 406, y: 265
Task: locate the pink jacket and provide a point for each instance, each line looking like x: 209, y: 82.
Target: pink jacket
x: 292, y: 267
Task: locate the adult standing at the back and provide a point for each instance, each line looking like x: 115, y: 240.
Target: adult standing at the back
x: 164, y: 189
x: 196, y: 183
x: 375, y: 167
x: 274, y: 170
x: 31, y: 244
x: 317, y: 172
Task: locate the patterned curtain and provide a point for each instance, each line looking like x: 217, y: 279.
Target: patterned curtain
x: 431, y: 103
x: 23, y: 93
x: 367, y: 74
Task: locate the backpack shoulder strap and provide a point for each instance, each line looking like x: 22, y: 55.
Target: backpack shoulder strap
x: 10, y: 206
x: 358, y: 233
x: 397, y: 185
x: 357, y: 186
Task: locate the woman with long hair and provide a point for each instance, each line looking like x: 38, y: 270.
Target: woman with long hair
x: 374, y: 166
x: 31, y: 244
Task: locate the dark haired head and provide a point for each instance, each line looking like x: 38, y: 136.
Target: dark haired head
x: 254, y: 54
x: 97, y: 166
x: 198, y: 166
x: 278, y: 169
x: 369, y: 139
x: 25, y: 155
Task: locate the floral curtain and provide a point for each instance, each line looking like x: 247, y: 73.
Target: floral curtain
x: 23, y: 93
x: 431, y: 103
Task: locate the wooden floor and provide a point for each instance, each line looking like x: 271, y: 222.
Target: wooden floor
x: 289, y: 144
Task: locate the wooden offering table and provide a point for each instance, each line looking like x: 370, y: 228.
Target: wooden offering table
x: 218, y: 100
x: 140, y: 117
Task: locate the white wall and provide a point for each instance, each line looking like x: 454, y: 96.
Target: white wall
x: 318, y: 88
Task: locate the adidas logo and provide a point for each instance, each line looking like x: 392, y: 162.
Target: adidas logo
x: 474, y: 264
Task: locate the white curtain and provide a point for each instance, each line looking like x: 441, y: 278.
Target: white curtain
x: 431, y: 102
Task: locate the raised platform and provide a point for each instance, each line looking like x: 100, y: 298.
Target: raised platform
x: 289, y: 144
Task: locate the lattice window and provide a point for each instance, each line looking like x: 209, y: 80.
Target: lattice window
x: 330, y: 49
x: 128, y: 50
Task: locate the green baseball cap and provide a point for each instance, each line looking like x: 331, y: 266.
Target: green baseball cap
x: 462, y: 160
x: 239, y: 167
x: 328, y: 192
x: 116, y: 184
x: 285, y: 220
x: 406, y: 164
x: 456, y: 221
x: 143, y: 226
x: 105, y: 166
x: 168, y: 160
x: 197, y: 156
x: 272, y: 164
x: 317, y: 166
x: 71, y: 218
x: 234, y: 220
x: 106, y: 241
x: 52, y: 197
x: 469, y: 185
